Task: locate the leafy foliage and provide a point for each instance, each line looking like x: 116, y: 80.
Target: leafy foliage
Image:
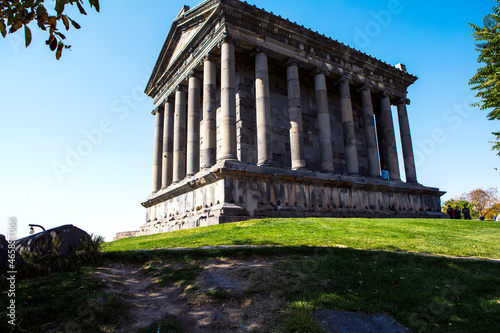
x: 483, y: 199
x: 480, y: 202
x: 493, y: 212
x: 487, y: 79
x: 17, y: 14
x: 460, y: 202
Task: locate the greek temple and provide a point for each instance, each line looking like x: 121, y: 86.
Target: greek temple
x: 256, y: 116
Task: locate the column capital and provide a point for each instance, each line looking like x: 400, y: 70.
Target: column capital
x: 261, y: 49
x: 384, y: 94
x: 158, y: 109
x: 226, y: 38
x: 402, y: 100
x: 181, y: 88
x: 210, y: 57
x: 196, y: 74
x: 168, y: 99
x: 342, y: 79
x: 364, y: 87
x: 320, y: 70
x: 292, y: 61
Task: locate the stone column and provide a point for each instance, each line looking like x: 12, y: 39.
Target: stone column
x: 324, y: 127
x: 179, y: 159
x: 263, y: 108
x: 168, y: 143
x: 351, y: 150
x: 404, y: 130
x: 158, y: 148
x: 295, y: 116
x: 193, y: 125
x: 387, y: 127
x: 228, y: 102
x: 370, y: 136
x: 208, y: 147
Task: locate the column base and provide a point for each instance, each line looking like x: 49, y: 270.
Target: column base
x: 206, y: 167
x: 229, y: 158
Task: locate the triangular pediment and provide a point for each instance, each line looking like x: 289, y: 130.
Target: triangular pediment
x: 182, y: 40
x: 187, y: 26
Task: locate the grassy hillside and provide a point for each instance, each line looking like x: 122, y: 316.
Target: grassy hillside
x: 445, y: 237
x: 312, y: 264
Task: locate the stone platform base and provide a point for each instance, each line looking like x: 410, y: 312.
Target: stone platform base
x: 232, y: 191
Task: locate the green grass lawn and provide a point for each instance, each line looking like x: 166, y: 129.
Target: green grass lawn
x: 436, y: 236
x: 313, y: 270
x: 426, y: 294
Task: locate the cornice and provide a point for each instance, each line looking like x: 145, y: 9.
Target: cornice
x: 235, y: 19
x: 312, y: 42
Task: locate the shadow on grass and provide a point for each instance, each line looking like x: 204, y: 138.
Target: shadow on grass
x: 65, y: 302
x: 424, y: 293
x: 251, y: 241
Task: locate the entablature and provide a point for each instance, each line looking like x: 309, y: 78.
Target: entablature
x: 251, y: 27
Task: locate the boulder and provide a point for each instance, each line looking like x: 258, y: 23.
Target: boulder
x: 63, y: 240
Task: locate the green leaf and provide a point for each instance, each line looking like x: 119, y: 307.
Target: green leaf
x: 60, y: 6
x: 52, y: 42
x: 82, y: 11
x: 41, y: 9
x: 27, y: 35
x: 14, y: 27
x: 3, y: 29
x: 60, y: 35
x: 76, y: 25
x: 95, y: 3
x: 65, y: 21
x: 59, y: 50
x: 52, y: 21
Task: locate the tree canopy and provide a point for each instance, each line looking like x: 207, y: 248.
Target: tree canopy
x: 459, y: 202
x: 483, y: 199
x: 17, y: 14
x: 487, y: 79
x: 481, y: 202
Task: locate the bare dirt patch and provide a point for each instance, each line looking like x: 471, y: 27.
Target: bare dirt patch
x: 225, y: 295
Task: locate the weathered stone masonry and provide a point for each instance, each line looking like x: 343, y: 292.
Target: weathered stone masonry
x: 258, y: 117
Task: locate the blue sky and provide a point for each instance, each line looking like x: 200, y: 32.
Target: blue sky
x: 91, y: 101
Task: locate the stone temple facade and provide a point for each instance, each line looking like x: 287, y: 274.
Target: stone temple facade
x: 256, y: 116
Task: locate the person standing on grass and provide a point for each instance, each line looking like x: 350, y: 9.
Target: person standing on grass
x: 466, y: 212
x: 457, y: 213
x: 451, y: 212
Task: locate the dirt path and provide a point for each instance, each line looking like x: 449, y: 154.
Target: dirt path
x: 149, y: 305
x: 221, y: 298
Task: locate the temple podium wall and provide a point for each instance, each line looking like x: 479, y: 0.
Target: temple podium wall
x: 232, y: 191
